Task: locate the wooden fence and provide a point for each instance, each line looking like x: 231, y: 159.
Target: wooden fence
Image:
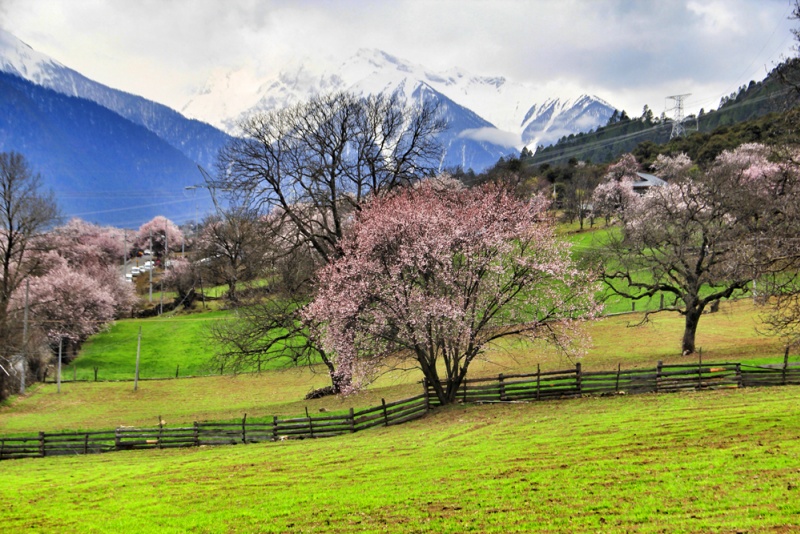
x: 575, y: 382
x: 503, y: 388
x: 163, y: 437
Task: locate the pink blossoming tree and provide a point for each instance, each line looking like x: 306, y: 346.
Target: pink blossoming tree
x: 435, y: 275
x: 164, y: 232
x: 699, y: 239
x: 615, y: 194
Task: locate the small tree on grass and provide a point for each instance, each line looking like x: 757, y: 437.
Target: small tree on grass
x: 436, y: 275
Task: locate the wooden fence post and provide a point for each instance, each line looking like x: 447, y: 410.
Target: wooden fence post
x: 86, y: 444
x: 464, y: 398
x: 700, y: 368
x: 385, y: 416
x: 661, y: 305
x: 177, y: 369
x: 739, y: 381
x: 658, y: 374
x: 117, y: 443
x: 616, y: 387
x: 274, y: 428
x: 244, y: 429
x: 352, y: 421
x: 426, y: 393
x: 160, y: 430
x: 633, y: 305
x: 785, y: 364
x: 538, y: 382
x: 502, y: 388
x: 310, y: 424
x: 95, y: 373
x: 196, y: 434
x: 579, y: 378
x: 41, y: 444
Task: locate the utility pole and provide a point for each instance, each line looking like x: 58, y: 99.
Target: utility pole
x: 151, y: 266
x: 24, y: 362
x: 138, y: 352
x: 60, y: 344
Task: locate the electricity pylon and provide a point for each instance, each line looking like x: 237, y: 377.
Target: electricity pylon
x: 678, y: 119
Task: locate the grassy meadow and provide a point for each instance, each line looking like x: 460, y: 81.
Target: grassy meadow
x: 714, y: 461
x: 724, y: 461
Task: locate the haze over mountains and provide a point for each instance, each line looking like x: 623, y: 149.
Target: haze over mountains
x: 117, y: 158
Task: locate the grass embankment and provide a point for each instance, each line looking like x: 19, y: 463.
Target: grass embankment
x: 729, y: 335
x: 167, y: 342
x: 726, y: 461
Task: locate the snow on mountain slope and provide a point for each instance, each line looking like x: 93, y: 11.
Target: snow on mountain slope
x: 504, y: 104
x: 197, y: 140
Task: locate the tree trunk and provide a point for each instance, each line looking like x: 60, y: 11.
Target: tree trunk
x: 690, y: 329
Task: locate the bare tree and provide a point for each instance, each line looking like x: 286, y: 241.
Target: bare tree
x: 316, y: 162
x: 25, y: 213
x: 309, y: 167
x: 233, y: 246
x: 578, y: 193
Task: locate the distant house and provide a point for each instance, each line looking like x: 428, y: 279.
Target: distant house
x: 646, y: 181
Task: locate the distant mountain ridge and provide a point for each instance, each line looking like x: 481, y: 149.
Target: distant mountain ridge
x: 197, y: 140
x: 504, y: 106
x: 102, y: 167
x: 158, y: 157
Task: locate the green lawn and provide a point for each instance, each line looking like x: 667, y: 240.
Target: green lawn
x: 729, y: 335
x: 725, y: 461
x: 167, y: 342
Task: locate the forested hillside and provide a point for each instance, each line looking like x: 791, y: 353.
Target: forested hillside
x: 624, y: 134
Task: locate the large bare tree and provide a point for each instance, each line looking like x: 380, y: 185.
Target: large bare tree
x: 309, y: 167
x: 25, y: 213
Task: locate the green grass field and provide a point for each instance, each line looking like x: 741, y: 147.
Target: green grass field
x: 725, y: 461
x: 729, y: 335
x: 722, y: 461
x: 167, y: 342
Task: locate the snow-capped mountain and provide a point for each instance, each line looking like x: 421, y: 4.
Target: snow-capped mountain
x: 510, y: 120
x: 125, y: 141
x: 197, y: 140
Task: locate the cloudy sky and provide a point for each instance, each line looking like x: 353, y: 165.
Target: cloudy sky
x: 629, y: 52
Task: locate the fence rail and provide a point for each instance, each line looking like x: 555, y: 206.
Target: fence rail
x: 546, y: 385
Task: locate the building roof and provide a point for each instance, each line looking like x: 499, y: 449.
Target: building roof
x: 646, y: 181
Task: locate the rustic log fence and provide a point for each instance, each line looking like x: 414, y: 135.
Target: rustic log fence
x: 213, y: 433
x: 576, y: 382
x: 547, y: 385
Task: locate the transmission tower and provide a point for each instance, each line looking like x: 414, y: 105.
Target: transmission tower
x: 678, y: 119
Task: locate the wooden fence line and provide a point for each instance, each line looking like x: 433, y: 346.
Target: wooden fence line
x: 575, y: 382
x: 568, y: 383
x: 212, y: 433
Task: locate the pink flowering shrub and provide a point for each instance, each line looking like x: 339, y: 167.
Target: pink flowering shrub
x: 435, y: 275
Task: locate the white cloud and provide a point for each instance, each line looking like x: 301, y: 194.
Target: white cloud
x: 493, y: 135
x: 629, y: 52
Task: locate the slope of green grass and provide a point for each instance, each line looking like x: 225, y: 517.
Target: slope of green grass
x: 167, y: 342
x: 729, y: 335
x: 725, y: 461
